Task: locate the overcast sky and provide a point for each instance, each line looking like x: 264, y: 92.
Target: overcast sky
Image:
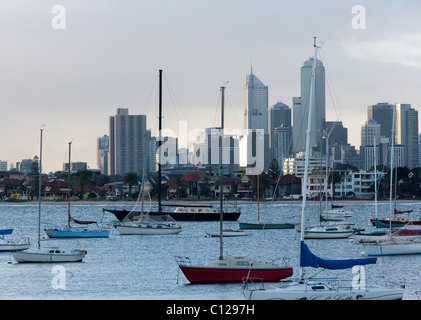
x: 72, y: 80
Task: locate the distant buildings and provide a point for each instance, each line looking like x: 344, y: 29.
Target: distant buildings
x: 256, y: 112
x: 301, y: 107
x: 128, y: 143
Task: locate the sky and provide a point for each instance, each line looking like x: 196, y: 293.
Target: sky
x: 107, y: 54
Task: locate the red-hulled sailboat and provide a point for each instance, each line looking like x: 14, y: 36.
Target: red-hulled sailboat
x: 234, y: 268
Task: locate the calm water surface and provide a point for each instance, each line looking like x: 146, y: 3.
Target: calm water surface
x: 143, y: 267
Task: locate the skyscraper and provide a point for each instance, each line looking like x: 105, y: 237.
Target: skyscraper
x: 279, y: 115
x: 128, y: 143
x: 383, y: 114
x: 256, y: 110
x: 103, y: 147
x: 406, y: 133
x: 370, y: 132
x: 301, y: 107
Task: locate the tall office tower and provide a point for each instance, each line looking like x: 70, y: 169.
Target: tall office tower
x: 282, y: 144
x: 279, y: 115
x: 300, y: 109
x: 103, y: 147
x: 370, y: 132
x: 256, y: 110
x: 128, y: 143
x: 406, y: 133
x: 338, y: 134
x: 383, y: 114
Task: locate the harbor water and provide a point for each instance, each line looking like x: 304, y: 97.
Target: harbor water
x: 139, y: 267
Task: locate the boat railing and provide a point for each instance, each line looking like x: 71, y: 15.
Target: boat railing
x: 253, y: 284
x: 182, y: 260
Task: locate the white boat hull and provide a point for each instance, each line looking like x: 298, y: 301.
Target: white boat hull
x: 390, y: 248
x: 147, y: 229
x: 326, y: 233
x: 13, y: 246
x: 300, y: 291
x: 48, y: 256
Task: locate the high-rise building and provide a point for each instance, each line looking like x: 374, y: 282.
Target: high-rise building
x: 281, y: 144
x: 383, y: 114
x: 128, y: 143
x: 103, y: 147
x: 406, y: 133
x: 301, y: 107
x: 370, y: 132
x: 256, y: 111
x: 279, y: 115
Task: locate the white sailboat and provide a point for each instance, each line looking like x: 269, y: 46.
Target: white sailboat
x: 321, y: 290
x: 46, y: 255
x: 12, y: 245
x: 76, y: 231
x: 139, y: 222
x: 392, y: 244
x: 335, y: 212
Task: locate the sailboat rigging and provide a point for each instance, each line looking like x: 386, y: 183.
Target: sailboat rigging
x: 46, y: 255
x: 232, y: 268
x: 76, y: 232
x: 141, y: 222
x: 320, y: 290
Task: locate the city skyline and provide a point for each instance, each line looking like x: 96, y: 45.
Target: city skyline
x: 108, y: 57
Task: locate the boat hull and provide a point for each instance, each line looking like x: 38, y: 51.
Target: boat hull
x: 145, y: 229
x: 197, y: 275
x: 48, y: 256
x: 385, y: 223
x: 391, y: 249
x: 262, y: 226
x: 298, y: 291
x: 7, y: 247
x: 120, y: 214
x: 77, y: 233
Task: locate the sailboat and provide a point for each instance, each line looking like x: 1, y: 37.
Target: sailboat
x: 321, y: 290
x: 263, y: 225
x: 392, y: 244
x: 76, y: 232
x: 10, y: 245
x: 143, y: 223
x: 46, y: 255
x: 335, y: 212
x: 231, y: 268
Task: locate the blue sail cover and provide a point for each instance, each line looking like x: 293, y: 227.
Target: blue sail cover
x: 5, y: 231
x: 308, y: 259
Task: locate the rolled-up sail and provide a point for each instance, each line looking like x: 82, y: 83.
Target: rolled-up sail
x: 308, y: 259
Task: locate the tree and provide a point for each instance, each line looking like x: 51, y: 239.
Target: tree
x: 131, y: 178
x: 274, y: 169
x: 34, y: 174
x: 334, y: 178
x: 83, y: 178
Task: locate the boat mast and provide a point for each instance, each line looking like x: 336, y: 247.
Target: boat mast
x: 160, y: 142
x: 375, y: 179
x: 221, y: 186
x: 68, y: 190
x: 310, y: 110
x: 39, y: 193
x: 392, y: 161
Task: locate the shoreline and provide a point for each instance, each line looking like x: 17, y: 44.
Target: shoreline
x: 197, y: 202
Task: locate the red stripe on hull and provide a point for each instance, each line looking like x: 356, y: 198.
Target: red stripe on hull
x: 212, y: 275
x: 397, y: 222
